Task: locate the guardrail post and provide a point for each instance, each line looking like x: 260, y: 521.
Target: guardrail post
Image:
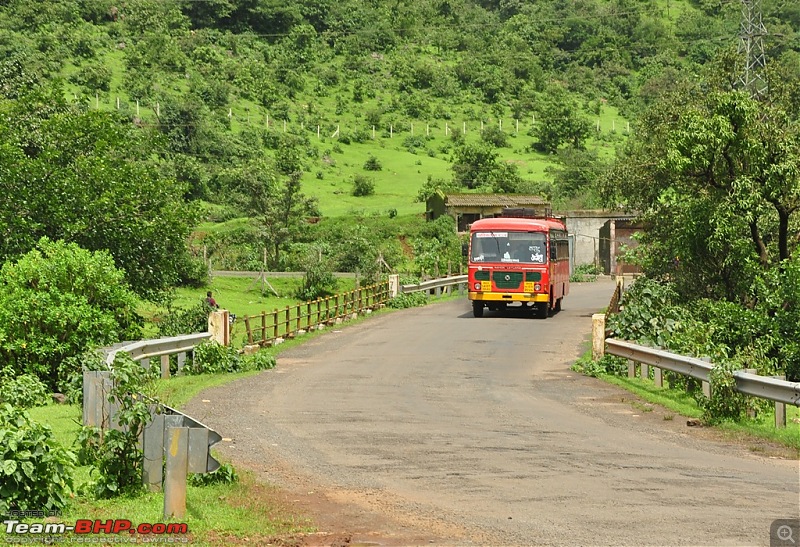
x: 631, y: 368
x: 658, y: 377
x: 181, y: 361
x: 645, y: 371
x: 165, y: 366
x: 706, y: 385
x: 780, y: 415
x: 176, y: 472
x: 598, y: 336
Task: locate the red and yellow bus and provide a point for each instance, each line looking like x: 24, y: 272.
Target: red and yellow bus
x: 521, y: 261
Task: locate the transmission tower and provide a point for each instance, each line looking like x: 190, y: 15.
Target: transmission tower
x: 751, y: 47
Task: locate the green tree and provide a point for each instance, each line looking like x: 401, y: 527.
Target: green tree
x: 577, y: 175
x: 474, y: 164
x: 89, y: 178
x: 279, y: 210
x: 57, y: 301
x: 715, y: 176
x: 559, y: 123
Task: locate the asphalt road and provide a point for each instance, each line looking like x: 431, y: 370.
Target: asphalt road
x: 474, y: 431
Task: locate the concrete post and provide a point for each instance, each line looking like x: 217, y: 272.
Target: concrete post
x: 176, y: 472
x: 631, y: 368
x: 394, y: 285
x: 219, y: 327
x: 165, y: 366
x: 645, y: 372
x: 780, y: 415
x: 598, y: 336
x: 658, y: 377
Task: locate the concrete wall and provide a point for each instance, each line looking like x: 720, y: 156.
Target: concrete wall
x: 585, y: 226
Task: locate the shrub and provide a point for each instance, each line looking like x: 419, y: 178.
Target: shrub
x: 57, y: 301
x: 607, y: 364
x: 725, y: 403
x: 373, y: 164
x: 410, y: 300
x: 648, y: 314
x: 37, y: 471
x: 23, y: 391
x: 213, y: 358
x: 260, y: 360
x: 188, y: 321
x: 363, y: 186
x: 318, y: 281
x: 70, y: 373
x: 584, y: 273
x: 226, y: 474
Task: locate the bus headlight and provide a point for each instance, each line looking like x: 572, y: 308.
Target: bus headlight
x: 537, y: 287
x: 477, y: 285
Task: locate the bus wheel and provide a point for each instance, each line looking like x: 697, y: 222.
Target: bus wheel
x: 542, y: 310
x: 477, y: 309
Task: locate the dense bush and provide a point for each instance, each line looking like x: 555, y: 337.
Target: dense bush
x: 213, y: 358
x: 584, y: 273
x: 648, y: 313
x: 261, y: 360
x: 373, y: 164
x: 226, y: 474
x: 363, y: 186
x: 36, y: 471
x: 23, y: 391
x: 58, y: 300
x: 185, y: 321
x: 70, y: 373
x: 318, y: 282
x: 607, y: 364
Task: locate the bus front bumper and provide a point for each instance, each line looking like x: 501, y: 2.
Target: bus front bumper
x: 508, y: 297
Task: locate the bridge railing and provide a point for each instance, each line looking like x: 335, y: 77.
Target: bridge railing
x: 269, y: 328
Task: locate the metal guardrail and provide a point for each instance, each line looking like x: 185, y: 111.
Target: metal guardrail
x: 435, y: 284
x: 764, y: 387
x: 143, y: 350
x: 688, y: 366
x: 777, y: 390
x: 173, y: 444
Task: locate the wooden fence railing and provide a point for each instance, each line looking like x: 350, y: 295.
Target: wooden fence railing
x: 267, y: 327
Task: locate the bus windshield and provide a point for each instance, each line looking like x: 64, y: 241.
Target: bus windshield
x: 497, y: 246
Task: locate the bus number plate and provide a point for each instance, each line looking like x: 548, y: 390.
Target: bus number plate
x: 528, y: 287
x: 486, y: 286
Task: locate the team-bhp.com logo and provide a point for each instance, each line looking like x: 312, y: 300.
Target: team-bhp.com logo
x: 87, y: 531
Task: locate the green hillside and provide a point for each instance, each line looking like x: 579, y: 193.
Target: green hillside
x: 238, y: 96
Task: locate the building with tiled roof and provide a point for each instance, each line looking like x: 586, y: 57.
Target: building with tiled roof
x: 467, y: 208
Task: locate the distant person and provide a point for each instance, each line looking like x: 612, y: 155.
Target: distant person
x: 210, y: 301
